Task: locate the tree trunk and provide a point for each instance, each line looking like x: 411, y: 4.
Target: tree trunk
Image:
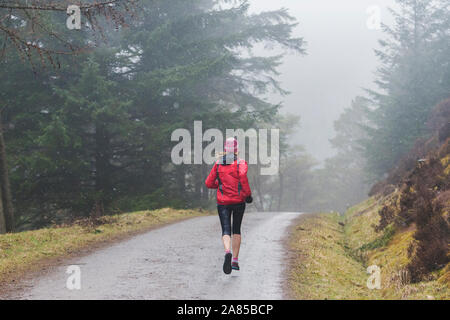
x: 8, y: 208
x: 2, y: 216
x: 258, y: 192
x: 102, y: 170
x: 180, y: 174
x: 197, y: 184
x: 280, y: 191
x: 204, y: 188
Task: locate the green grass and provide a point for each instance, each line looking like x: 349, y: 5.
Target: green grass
x: 388, y: 234
x: 331, y: 254
x: 23, y: 251
x: 323, y: 266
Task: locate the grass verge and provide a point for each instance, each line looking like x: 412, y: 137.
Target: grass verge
x: 323, y: 266
x: 331, y: 253
x: 24, y: 251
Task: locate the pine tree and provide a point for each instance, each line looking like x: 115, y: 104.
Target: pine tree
x: 187, y: 65
x: 414, y: 76
x: 94, y: 135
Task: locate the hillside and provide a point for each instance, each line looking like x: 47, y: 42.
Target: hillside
x: 404, y: 229
x: 331, y: 253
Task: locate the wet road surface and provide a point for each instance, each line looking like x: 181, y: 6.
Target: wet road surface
x: 179, y: 261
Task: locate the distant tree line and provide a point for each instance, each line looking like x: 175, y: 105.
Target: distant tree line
x: 377, y: 131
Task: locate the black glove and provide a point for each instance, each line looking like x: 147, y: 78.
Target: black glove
x: 249, y: 199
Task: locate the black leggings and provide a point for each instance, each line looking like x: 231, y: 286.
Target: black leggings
x: 225, y: 213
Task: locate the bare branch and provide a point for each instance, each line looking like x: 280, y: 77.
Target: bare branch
x: 24, y: 29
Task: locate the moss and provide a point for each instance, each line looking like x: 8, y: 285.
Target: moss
x: 444, y: 276
x: 382, y: 241
x: 446, y: 160
x: 359, y: 227
x: 447, y: 170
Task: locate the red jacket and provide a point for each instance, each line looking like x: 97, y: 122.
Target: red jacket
x: 230, y: 179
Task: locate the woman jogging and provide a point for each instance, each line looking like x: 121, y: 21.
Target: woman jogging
x: 229, y: 177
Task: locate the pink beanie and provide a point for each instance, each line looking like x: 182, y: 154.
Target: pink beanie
x: 231, y: 145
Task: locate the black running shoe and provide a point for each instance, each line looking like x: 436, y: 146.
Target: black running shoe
x: 227, y: 263
x: 235, y: 266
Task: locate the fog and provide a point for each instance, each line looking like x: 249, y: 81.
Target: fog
x: 90, y: 115
x: 340, y: 61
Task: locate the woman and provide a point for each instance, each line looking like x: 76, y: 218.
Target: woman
x: 229, y: 177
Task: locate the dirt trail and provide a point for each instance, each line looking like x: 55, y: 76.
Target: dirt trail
x: 179, y: 261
